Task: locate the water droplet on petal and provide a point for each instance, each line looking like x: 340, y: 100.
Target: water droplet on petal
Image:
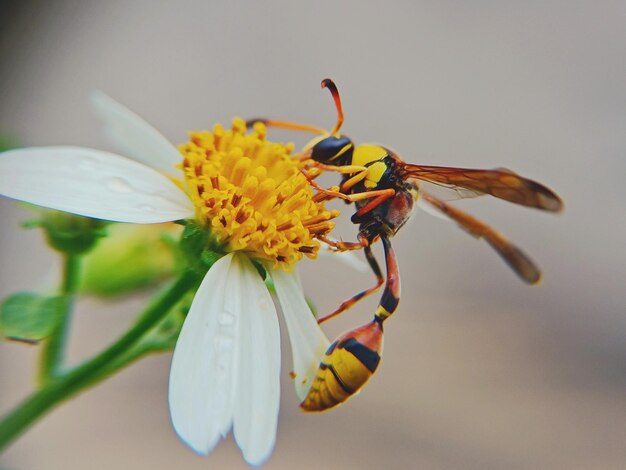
x: 226, y: 319
x: 118, y: 185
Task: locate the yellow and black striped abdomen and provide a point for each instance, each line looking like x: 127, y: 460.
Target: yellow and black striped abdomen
x: 347, y: 365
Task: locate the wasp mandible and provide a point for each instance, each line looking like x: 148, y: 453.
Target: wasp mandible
x: 385, y: 190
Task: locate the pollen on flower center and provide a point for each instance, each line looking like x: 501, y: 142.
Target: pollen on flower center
x: 252, y: 195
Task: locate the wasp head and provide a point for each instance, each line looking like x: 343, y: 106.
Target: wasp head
x: 331, y: 150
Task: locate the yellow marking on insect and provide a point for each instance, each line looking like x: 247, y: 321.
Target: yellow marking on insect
x: 368, y: 153
x: 371, y: 156
x: 382, y: 313
x: 342, y: 151
x: 374, y: 174
x: 345, y: 368
x: 339, y: 376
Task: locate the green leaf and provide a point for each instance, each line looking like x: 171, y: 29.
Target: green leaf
x: 30, y: 317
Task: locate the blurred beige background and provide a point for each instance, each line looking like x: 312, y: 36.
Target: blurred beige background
x: 480, y: 371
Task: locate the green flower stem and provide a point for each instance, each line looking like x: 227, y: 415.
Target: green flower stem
x: 69, y: 383
x: 136, y: 352
x: 53, y: 353
x: 71, y: 274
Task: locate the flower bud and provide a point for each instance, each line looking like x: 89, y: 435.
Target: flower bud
x: 70, y: 233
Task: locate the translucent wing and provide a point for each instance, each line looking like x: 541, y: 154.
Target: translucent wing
x: 448, y: 192
x: 501, y: 183
x: 523, y: 266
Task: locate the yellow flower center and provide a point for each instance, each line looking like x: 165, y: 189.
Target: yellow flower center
x: 252, y: 195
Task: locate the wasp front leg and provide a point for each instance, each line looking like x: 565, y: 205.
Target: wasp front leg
x: 357, y: 174
x: 352, y: 359
x: 377, y: 196
x: 341, y: 246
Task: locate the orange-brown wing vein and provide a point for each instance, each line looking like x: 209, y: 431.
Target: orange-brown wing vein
x: 503, y: 184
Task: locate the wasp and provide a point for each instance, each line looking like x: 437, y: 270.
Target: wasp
x: 385, y: 189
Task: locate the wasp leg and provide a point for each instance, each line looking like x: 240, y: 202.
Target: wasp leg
x: 513, y: 256
x: 352, y: 181
x: 354, y: 357
x: 311, y: 173
x: 335, y: 191
x: 351, y: 301
x: 391, y: 294
x: 358, y: 173
x: 378, y: 195
x: 340, y: 245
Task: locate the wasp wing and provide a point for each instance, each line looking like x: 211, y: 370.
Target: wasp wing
x: 523, y: 266
x: 501, y: 183
x: 448, y: 192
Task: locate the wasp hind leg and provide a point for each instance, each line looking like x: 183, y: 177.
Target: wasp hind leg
x: 391, y: 295
x: 352, y: 359
x: 353, y: 300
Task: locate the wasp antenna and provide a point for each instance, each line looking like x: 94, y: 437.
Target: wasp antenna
x: 278, y: 124
x: 328, y: 83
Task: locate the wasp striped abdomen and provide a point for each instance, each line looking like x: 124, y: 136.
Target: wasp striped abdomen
x: 347, y: 365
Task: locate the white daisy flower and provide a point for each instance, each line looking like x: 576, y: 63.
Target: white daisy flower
x: 249, y: 195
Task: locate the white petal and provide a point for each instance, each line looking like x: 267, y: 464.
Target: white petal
x: 308, y: 342
x: 135, y: 137
x: 91, y: 183
x: 203, y: 367
x: 257, y: 397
